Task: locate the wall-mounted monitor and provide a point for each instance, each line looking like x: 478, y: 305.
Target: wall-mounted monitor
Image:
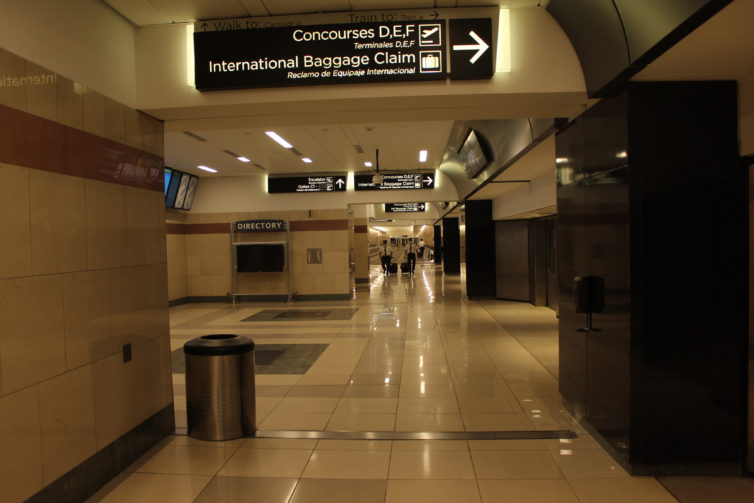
x: 472, y: 154
x: 168, y: 176
x: 256, y: 257
x: 182, y: 189
x: 190, y: 191
x: 172, y: 190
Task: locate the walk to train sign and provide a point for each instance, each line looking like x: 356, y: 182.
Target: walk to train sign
x: 348, y: 53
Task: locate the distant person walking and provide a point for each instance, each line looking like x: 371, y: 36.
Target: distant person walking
x: 386, y: 256
x: 411, y: 250
x: 421, y: 248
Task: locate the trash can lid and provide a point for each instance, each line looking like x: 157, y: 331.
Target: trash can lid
x: 219, y: 345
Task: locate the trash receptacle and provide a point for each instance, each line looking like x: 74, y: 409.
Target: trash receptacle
x: 220, y: 396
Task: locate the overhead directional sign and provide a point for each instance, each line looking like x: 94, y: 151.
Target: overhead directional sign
x: 381, y: 51
x: 395, y: 181
x: 470, y: 48
x: 404, y: 207
x: 287, y: 184
x: 320, y: 54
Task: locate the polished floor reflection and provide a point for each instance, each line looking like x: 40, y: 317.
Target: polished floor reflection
x: 416, y: 356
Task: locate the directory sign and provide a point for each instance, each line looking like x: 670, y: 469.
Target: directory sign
x: 385, y: 51
x: 317, y: 183
x: 395, y: 181
x: 405, y: 207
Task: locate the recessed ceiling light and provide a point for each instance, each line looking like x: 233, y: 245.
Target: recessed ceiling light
x: 306, y: 160
x: 279, y: 139
x: 561, y: 160
x: 243, y: 159
x: 207, y: 168
x: 422, y: 156
x: 368, y: 164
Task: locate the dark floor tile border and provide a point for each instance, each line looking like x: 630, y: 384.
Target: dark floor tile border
x: 256, y: 298
x: 326, y: 296
x: 362, y: 280
x: 91, y: 475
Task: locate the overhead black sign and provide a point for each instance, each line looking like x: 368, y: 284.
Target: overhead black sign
x: 258, y: 226
x: 470, y: 51
x: 400, y: 181
x: 404, y: 207
x: 280, y: 185
x: 321, y: 54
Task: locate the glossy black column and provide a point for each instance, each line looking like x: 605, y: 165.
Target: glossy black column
x: 651, y: 198
x: 438, y: 244
x: 451, y: 246
x: 480, y: 249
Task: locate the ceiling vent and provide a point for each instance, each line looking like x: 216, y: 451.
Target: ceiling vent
x: 194, y: 136
x: 260, y: 167
x: 229, y: 152
x: 295, y: 151
x: 358, y: 149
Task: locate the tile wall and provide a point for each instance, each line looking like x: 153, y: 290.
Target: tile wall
x: 202, y: 242
x: 82, y: 273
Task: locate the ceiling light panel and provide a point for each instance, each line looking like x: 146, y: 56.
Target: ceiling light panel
x: 279, y: 139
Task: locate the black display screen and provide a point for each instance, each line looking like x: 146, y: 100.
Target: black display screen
x: 472, y: 155
x: 172, y: 189
x: 260, y: 257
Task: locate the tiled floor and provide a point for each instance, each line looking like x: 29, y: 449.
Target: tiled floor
x: 415, y: 356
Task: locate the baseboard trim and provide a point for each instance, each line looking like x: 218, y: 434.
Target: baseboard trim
x: 325, y: 296
x: 92, y: 474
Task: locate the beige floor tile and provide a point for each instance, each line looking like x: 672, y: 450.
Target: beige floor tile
x: 430, y: 445
x: 295, y: 420
x: 406, y: 421
x: 175, y: 440
x: 486, y: 404
x: 587, y: 464
x: 500, y: 421
x: 506, y: 445
x: 428, y: 405
x: 339, y: 491
x: 431, y: 464
x: 298, y: 404
x: 515, y: 465
x: 187, y: 460
x: 367, y: 405
x: 158, y: 488
x: 278, y: 463
x: 527, y: 491
x: 247, y: 490
x: 580, y: 442
x: 629, y: 490
x: 348, y: 464
x: 279, y: 443
x: 354, y: 445
x: 432, y: 491
x: 361, y: 422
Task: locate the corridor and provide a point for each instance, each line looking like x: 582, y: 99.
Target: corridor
x: 404, y: 355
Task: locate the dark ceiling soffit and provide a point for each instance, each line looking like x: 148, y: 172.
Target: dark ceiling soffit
x: 616, y: 84
x: 536, y: 140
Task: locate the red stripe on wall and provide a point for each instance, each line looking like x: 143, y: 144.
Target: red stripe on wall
x: 171, y: 228
x: 224, y: 228
x: 34, y: 142
x: 318, y: 225
x: 360, y: 229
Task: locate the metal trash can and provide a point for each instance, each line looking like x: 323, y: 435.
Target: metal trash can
x: 220, y: 396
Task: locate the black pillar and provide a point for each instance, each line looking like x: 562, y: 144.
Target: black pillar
x: 480, y: 249
x: 651, y: 198
x: 438, y: 244
x: 451, y: 246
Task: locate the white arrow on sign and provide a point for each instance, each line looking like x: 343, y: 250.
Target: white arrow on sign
x: 428, y: 180
x: 481, y: 46
x: 340, y: 182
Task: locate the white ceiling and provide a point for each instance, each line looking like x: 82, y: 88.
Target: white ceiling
x: 151, y: 12
x: 331, y: 147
